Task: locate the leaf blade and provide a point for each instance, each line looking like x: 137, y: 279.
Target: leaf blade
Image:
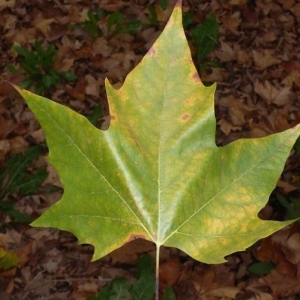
x: 157, y: 172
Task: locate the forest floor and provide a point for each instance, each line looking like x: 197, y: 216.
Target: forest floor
x: 258, y: 90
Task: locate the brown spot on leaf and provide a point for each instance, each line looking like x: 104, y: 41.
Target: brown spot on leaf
x: 196, y: 77
x: 112, y: 117
x: 223, y: 240
x: 185, y: 117
x: 135, y: 236
x: 179, y: 3
x: 151, y: 52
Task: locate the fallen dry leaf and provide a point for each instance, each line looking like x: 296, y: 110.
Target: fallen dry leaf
x: 6, y: 3
x: 265, y: 58
x: 170, y: 271
x: 271, y: 94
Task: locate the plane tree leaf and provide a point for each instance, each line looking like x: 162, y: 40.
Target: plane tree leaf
x: 157, y: 173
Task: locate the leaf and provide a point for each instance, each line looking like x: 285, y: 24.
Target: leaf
x: 118, y: 289
x: 163, y: 4
x: 157, y: 173
x: 14, y: 176
x: 261, y: 268
x: 205, y: 37
x: 144, y: 287
x: 169, y: 293
x: 7, y: 259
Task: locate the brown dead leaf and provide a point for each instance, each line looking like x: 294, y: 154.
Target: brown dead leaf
x: 215, y: 282
x: 232, y: 21
x: 292, y: 78
x: 238, y: 2
x: 77, y: 92
x: 293, y: 248
x: 130, y: 252
x: 226, y: 53
x: 42, y: 24
x: 282, y: 248
x: 286, y: 4
x: 163, y: 14
x: 203, y: 282
x: 271, y: 94
x: 38, y: 135
x: 112, y: 5
x: 83, y: 52
x: 296, y: 10
x: 215, y: 75
x: 51, y: 262
x: 226, y: 126
x: 22, y: 36
x: 4, y: 148
x: 93, y: 86
x: 6, y: 4
x: 280, y: 285
x: 100, y: 46
x: 276, y: 121
x: 18, y: 144
x: 237, y: 109
x: 87, y: 288
x: 286, y: 186
x: 228, y: 292
x: 52, y: 178
x: 24, y: 253
x: 4, y: 295
x: 170, y: 271
x: 257, y: 43
x: 9, y: 23
x: 265, y: 58
x: 112, y: 62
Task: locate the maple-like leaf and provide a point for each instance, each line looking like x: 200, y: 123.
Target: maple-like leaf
x: 157, y: 173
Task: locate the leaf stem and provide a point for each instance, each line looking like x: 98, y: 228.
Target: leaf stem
x: 157, y: 273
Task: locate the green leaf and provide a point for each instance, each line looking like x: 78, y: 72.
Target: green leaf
x: 102, y: 295
x: 145, y: 266
x: 14, y: 174
x: 25, y: 83
x: 187, y: 19
x: 21, y: 51
x: 261, y: 268
x: 152, y: 15
x: 69, y: 76
x: 169, y: 293
x: 157, y: 173
x: 291, y: 206
x: 205, y: 37
x: 144, y: 287
x: 32, y: 182
x: 7, y: 208
x: 119, y: 289
x: 163, y: 4
x: 12, y: 69
x: 96, y: 114
x: 92, y: 17
x: 114, y: 22
x: 48, y: 80
x: 7, y: 259
x: 133, y: 26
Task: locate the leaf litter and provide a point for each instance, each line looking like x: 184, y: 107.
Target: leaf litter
x: 258, y: 88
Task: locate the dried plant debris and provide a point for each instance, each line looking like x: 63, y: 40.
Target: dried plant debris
x: 258, y: 77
